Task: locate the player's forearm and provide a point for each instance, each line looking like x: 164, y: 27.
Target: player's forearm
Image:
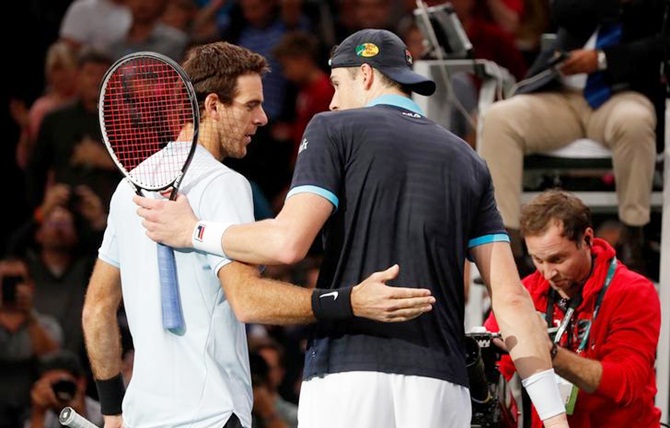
x: 103, y: 343
x: 266, y: 301
x: 101, y: 329
x: 582, y: 372
x: 266, y: 242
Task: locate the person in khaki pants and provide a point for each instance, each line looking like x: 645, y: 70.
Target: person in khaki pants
x: 600, y: 80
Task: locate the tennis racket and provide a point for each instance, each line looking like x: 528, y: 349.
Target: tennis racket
x: 149, y: 119
x: 70, y: 418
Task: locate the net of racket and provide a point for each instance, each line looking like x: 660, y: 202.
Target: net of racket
x: 70, y: 418
x: 149, y: 120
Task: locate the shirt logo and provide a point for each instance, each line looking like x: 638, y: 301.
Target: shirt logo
x: 332, y: 294
x: 303, y: 145
x: 410, y: 114
x: 367, y: 50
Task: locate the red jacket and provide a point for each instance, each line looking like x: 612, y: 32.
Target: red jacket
x: 623, y: 338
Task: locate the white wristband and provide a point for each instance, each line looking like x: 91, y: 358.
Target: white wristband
x: 207, y: 237
x: 542, y: 389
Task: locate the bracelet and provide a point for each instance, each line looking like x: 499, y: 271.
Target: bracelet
x: 332, y: 305
x: 110, y: 394
x: 542, y: 389
x: 207, y: 237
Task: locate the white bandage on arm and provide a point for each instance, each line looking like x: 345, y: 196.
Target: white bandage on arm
x: 207, y: 237
x: 542, y: 389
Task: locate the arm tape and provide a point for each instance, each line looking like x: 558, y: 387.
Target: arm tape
x: 542, y: 389
x: 332, y: 305
x: 110, y: 394
x: 207, y: 237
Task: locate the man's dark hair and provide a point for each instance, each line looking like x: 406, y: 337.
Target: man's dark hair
x: 556, y: 206
x: 215, y: 67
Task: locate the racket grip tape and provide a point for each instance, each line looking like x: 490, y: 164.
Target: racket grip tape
x: 70, y: 418
x: 173, y: 318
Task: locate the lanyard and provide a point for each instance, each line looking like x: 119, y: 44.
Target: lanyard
x: 573, y: 305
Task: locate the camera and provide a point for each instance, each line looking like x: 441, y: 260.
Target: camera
x: 9, y: 284
x: 64, y: 389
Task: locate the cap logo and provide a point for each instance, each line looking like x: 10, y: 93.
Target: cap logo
x: 367, y: 50
x: 408, y: 57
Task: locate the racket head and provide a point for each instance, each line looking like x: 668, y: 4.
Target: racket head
x: 149, y: 118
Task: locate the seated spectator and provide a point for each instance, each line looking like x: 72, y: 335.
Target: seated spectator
x: 608, y: 89
x: 61, y: 383
x: 149, y: 33
x: 60, y: 73
x: 96, y: 23
x: 488, y: 40
x: 298, y: 53
x: 25, y: 335
x: 264, y: 413
x: 273, y: 354
x: 69, y: 147
x: 608, y: 318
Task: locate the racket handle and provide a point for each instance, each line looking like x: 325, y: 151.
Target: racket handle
x: 173, y: 319
x: 70, y: 418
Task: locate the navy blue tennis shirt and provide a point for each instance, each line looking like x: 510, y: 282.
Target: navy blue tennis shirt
x: 404, y: 190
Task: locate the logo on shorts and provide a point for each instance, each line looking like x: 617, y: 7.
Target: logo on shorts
x: 332, y: 294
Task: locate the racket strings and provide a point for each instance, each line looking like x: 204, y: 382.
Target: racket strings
x: 145, y: 108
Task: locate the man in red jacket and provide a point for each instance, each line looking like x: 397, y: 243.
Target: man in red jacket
x: 607, y: 317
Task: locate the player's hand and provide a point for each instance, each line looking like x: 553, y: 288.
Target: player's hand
x: 168, y: 222
x: 375, y: 300
x: 115, y: 421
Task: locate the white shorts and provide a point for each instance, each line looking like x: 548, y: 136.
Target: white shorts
x: 373, y: 399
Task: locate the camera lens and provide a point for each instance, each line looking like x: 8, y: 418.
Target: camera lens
x: 64, y: 389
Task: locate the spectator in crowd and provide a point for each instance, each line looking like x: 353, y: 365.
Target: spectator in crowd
x: 298, y: 53
x: 265, y: 412
x: 149, y: 33
x: 69, y: 147
x: 273, y: 353
x: 608, y: 89
x: 61, y: 268
x: 61, y: 383
x: 25, y: 335
x: 608, y: 317
x: 488, y: 40
x: 259, y: 25
x: 95, y: 23
x: 60, y: 73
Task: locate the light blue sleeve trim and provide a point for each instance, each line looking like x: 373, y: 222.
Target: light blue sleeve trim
x: 487, y: 239
x: 316, y: 190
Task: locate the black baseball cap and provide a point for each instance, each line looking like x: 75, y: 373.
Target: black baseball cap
x: 384, y: 51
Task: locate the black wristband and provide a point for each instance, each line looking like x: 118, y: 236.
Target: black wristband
x: 110, y: 394
x: 332, y: 305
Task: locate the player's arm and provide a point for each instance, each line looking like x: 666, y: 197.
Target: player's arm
x: 262, y: 300
x: 103, y: 339
x: 524, y: 338
x: 285, y: 239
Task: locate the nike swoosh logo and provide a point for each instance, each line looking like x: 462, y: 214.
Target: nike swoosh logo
x: 332, y: 294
